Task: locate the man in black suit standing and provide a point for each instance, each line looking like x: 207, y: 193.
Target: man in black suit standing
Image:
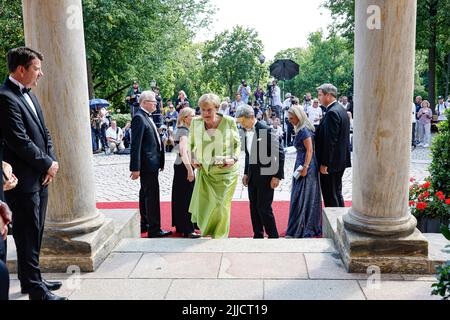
x: 147, y: 158
x: 332, y: 146
x: 29, y: 150
x: 264, y: 168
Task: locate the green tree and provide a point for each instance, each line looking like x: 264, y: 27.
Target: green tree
x: 230, y: 57
x: 12, y: 30
x: 323, y: 60
x: 432, y: 34
x: 125, y: 40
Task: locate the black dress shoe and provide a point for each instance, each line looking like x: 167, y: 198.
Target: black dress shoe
x: 50, y: 285
x: 45, y: 295
x: 160, y: 234
x: 192, y: 235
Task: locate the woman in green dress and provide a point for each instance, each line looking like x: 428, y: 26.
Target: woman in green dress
x: 215, y: 145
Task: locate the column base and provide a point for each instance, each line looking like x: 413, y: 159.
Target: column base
x: 86, y: 252
x: 359, y: 252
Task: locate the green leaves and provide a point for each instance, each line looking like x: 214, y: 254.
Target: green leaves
x: 315, y: 66
x: 230, y: 57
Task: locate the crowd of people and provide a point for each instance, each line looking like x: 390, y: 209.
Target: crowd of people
x: 207, y: 167
x: 207, y: 139
x: 423, y: 118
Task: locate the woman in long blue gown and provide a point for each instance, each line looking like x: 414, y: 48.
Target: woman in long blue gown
x: 305, y: 213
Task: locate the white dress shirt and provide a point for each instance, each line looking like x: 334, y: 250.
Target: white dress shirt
x: 25, y: 95
x: 154, y: 127
x: 249, y: 135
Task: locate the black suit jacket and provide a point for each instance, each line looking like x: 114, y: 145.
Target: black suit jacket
x: 146, y: 154
x: 333, y: 139
x: 28, y: 145
x: 261, y: 164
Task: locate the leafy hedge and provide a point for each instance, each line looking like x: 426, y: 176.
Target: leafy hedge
x: 440, y: 165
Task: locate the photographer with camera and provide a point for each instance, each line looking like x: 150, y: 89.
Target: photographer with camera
x: 276, y: 99
x: 245, y: 91
x: 259, y: 96
x: 133, y: 98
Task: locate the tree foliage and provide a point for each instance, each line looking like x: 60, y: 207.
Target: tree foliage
x: 432, y: 34
x: 230, y: 57
x: 322, y: 61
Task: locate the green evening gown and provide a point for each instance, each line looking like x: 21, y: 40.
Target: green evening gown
x: 214, y: 186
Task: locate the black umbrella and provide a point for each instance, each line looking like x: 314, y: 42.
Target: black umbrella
x: 284, y: 69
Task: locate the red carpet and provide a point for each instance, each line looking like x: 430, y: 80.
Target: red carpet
x: 241, y: 225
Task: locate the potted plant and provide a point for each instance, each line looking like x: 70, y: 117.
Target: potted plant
x: 430, y: 206
x: 442, y: 288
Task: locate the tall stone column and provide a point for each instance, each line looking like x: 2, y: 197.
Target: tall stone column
x: 75, y: 229
x: 379, y: 229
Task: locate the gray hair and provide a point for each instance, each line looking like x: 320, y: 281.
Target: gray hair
x: 245, y: 111
x: 145, y: 96
x: 328, y: 88
x: 210, y: 99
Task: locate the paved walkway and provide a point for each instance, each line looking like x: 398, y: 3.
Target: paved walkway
x: 114, y: 185
x: 232, y: 269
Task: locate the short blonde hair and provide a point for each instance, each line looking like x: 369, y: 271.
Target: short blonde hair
x: 209, y: 99
x: 303, y: 120
x: 184, y: 113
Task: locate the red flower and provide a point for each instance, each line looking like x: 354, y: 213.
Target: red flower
x: 426, y: 185
x: 426, y: 194
x: 422, y: 205
x: 440, y: 195
x: 447, y: 202
x: 411, y: 203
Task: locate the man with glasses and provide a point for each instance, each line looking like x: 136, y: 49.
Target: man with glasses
x: 146, y: 160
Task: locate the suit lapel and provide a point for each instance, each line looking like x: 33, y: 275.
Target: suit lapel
x: 14, y: 88
x: 31, y: 113
x: 155, y: 133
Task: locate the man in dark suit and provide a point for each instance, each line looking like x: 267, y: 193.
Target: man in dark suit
x: 28, y: 148
x: 147, y: 158
x: 264, y: 168
x: 332, y: 146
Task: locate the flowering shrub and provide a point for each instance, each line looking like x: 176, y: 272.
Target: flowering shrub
x: 426, y: 202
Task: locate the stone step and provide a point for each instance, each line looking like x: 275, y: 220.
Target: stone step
x: 232, y: 245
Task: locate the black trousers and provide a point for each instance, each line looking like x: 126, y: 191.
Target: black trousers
x: 260, y: 195
x: 149, y: 204
x: 289, y: 132
x: 4, y: 275
x: 331, y: 185
x: 29, y: 210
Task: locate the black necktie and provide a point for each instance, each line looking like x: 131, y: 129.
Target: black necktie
x: 26, y: 90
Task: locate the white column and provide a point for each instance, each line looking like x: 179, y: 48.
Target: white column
x: 55, y: 28
x: 384, y: 84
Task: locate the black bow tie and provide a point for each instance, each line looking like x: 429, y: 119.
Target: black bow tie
x: 26, y: 90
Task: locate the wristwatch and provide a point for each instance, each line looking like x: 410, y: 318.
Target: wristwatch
x: 306, y: 166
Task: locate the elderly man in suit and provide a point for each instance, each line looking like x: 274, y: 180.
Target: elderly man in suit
x: 147, y: 158
x: 332, y: 146
x: 29, y: 150
x: 264, y: 168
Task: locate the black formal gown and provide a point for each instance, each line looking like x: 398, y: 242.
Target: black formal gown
x: 181, y: 191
